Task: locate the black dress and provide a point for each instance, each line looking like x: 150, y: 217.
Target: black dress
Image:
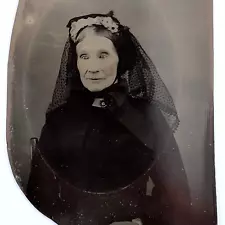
x: 92, y: 166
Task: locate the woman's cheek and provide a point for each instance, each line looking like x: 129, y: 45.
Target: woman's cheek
x: 110, y: 67
x: 82, y: 67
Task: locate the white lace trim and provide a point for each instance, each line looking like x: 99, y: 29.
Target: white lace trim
x: 107, y: 22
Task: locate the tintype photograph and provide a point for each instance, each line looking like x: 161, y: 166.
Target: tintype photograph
x: 110, y: 111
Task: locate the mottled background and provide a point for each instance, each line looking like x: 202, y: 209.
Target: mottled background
x: 177, y: 35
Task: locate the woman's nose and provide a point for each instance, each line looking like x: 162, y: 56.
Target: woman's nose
x: 93, y: 71
x: 93, y: 65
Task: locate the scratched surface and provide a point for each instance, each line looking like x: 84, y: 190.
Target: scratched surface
x: 177, y: 34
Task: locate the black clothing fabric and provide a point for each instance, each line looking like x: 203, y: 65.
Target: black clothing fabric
x: 91, y: 149
x: 92, y: 165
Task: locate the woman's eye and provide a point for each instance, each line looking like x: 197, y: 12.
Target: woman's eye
x: 84, y: 56
x: 103, y: 55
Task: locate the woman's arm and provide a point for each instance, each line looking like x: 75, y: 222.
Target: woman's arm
x: 171, y: 196
x: 43, y: 186
x: 168, y: 174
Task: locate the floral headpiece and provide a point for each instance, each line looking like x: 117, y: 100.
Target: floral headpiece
x: 104, y: 20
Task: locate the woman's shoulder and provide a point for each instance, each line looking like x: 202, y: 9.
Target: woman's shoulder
x: 56, y: 114
x: 143, y: 105
x: 152, y: 113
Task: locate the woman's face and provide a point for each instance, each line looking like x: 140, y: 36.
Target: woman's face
x: 97, y: 62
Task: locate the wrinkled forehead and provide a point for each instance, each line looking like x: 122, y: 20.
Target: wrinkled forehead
x: 89, y: 39
x: 92, y: 31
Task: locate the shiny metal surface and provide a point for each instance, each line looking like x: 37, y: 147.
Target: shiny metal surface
x: 177, y: 34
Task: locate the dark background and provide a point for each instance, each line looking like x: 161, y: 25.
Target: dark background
x: 177, y: 35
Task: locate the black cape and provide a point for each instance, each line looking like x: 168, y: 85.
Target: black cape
x: 92, y: 165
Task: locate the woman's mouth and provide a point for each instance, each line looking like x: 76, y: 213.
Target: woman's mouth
x: 96, y: 79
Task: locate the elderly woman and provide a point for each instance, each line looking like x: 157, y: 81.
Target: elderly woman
x: 108, y: 131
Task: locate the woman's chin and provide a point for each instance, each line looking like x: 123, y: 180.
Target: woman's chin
x: 96, y: 88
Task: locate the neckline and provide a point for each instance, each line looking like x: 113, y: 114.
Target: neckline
x: 110, y: 98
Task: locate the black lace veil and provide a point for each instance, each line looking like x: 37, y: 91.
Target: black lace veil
x: 141, y: 76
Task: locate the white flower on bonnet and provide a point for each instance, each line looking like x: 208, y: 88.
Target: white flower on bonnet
x: 106, y: 21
